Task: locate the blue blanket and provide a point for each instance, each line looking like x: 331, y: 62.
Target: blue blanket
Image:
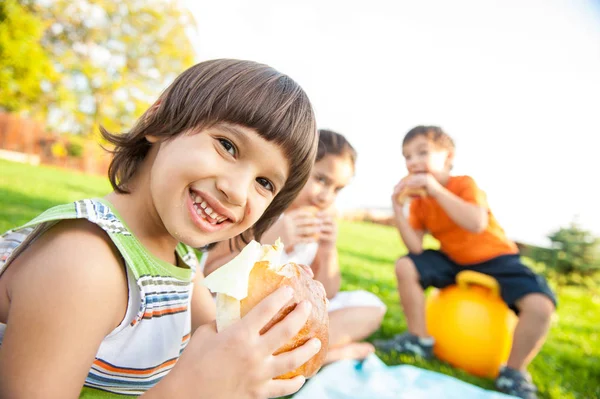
x: 373, y: 379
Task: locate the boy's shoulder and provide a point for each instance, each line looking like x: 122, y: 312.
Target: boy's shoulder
x: 82, y: 240
x: 72, y: 267
x: 462, y: 179
x: 71, y: 228
x: 72, y: 241
x: 73, y: 252
x: 461, y: 183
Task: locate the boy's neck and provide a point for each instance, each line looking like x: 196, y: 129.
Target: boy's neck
x: 138, y: 212
x: 443, y: 178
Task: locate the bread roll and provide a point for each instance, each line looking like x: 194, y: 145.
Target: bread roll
x: 410, y: 192
x: 254, y: 274
x: 264, y: 280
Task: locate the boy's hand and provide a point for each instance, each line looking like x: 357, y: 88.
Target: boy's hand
x: 397, y: 206
x: 425, y: 180
x: 239, y: 361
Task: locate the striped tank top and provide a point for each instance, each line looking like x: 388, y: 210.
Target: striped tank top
x: 157, y: 323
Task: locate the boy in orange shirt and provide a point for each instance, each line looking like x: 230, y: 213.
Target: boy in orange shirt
x: 456, y: 213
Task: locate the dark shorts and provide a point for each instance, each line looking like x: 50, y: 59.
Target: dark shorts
x: 516, y: 280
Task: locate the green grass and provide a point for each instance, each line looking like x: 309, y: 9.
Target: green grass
x: 26, y: 191
x: 567, y: 367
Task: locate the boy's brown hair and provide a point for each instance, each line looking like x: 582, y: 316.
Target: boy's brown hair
x: 332, y: 143
x: 233, y: 91
x: 434, y: 134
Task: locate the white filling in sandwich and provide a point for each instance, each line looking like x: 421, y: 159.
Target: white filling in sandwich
x: 230, y: 281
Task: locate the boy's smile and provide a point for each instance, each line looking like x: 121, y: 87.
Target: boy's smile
x: 216, y: 182
x: 208, y: 213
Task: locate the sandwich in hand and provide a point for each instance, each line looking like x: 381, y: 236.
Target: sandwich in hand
x: 410, y: 192
x: 254, y: 274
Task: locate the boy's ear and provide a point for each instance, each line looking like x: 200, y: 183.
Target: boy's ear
x: 153, y: 108
x: 450, y: 160
x: 152, y: 139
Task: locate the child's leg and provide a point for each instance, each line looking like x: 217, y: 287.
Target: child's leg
x: 353, y: 316
x: 348, y: 326
x: 530, y: 297
x: 412, y: 297
x: 535, y: 311
x: 416, y: 272
x: 353, y: 324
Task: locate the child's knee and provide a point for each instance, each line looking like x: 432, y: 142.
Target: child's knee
x: 537, y: 306
x: 379, y: 313
x: 406, y: 270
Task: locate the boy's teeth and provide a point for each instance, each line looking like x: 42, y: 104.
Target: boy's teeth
x: 202, y: 209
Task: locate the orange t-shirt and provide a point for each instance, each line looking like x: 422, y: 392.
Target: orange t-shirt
x: 462, y: 246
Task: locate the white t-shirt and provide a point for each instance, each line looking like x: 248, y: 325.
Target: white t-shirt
x: 303, y: 254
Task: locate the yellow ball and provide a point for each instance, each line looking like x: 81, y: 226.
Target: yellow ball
x: 472, y: 326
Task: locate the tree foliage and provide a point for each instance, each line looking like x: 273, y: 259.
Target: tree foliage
x: 24, y: 64
x: 577, y: 250
x: 111, y: 58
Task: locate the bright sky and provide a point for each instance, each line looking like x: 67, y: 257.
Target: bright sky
x: 515, y: 83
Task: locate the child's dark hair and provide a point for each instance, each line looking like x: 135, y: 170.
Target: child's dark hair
x: 233, y: 91
x: 332, y: 143
x: 434, y: 134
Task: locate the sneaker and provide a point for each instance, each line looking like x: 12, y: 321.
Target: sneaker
x: 407, y: 343
x: 516, y: 383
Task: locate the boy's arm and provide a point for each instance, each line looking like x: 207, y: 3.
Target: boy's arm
x: 412, y: 238
x: 67, y: 292
x: 470, y: 216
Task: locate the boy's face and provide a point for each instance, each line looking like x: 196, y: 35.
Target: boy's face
x: 422, y: 156
x: 213, y: 185
x: 327, y: 178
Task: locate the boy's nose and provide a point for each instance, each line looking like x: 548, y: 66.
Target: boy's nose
x: 412, y: 165
x: 235, y: 188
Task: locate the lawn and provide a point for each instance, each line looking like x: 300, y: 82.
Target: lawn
x: 567, y: 367
x: 26, y: 191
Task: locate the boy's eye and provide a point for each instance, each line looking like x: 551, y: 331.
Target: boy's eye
x: 321, y: 180
x: 228, y: 145
x: 422, y: 152
x: 266, y: 184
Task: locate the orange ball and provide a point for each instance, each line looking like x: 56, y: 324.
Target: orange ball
x: 471, y: 325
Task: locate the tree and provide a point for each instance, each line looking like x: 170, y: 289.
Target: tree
x: 577, y: 250
x: 24, y: 65
x: 114, y: 57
